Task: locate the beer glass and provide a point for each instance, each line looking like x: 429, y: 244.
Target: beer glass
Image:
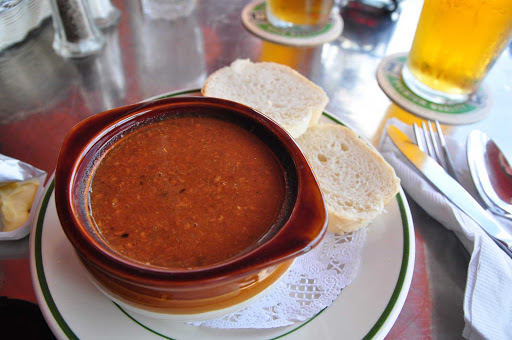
x: 305, y: 15
x: 455, y: 45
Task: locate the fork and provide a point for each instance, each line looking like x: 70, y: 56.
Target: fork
x: 432, y: 142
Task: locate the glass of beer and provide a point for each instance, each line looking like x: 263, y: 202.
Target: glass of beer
x: 303, y: 15
x: 455, y: 45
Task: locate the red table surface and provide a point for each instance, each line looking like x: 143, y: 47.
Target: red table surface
x: 37, y: 137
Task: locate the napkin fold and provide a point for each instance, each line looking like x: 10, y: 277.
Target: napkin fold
x: 488, y: 293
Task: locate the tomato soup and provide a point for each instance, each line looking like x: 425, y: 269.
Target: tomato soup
x: 186, y: 192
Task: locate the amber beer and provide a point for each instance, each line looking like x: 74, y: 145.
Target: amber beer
x: 298, y: 13
x: 456, y: 43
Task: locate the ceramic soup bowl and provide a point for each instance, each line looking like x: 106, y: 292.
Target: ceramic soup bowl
x: 186, y: 208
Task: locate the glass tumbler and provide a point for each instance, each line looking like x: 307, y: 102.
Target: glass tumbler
x: 455, y: 45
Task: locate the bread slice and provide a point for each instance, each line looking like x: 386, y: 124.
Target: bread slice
x: 355, y: 180
x: 275, y: 90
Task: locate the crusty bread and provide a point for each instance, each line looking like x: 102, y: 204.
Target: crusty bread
x: 276, y: 90
x: 355, y: 180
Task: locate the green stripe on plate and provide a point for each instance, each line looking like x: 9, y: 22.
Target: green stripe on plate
x: 401, y: 277
x: 41, y: 278
x: 140, y: 324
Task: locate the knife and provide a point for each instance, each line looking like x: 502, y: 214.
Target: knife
x: 440, y: 179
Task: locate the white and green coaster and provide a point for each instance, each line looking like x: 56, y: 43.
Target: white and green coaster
x: 389, y: 77
x: 255, y: 20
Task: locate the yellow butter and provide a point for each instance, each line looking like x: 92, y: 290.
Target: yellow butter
x: 15, y: 202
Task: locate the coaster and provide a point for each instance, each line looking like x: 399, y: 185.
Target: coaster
x: 255, y: 20
x: 389, y: 77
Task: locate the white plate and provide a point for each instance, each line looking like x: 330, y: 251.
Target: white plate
x: 367, y: 308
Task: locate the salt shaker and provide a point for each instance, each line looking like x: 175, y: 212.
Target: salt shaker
x: 76, y: 34
x: 104, y: 13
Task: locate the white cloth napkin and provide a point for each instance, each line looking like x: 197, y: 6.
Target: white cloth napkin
x: 488, y: 294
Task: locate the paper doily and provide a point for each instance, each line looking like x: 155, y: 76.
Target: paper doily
x: 313, y: 283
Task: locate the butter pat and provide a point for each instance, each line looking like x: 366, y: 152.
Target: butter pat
x: 16, y: 201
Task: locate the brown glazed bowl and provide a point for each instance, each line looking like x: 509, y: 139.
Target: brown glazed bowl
x: 189, y: 293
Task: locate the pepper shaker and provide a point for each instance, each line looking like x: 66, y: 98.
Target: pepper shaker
x: 76, y: 34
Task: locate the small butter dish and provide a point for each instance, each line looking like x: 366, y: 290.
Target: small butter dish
x: 15, y: 171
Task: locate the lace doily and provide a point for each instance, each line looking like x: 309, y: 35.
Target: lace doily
x: 312, y: 283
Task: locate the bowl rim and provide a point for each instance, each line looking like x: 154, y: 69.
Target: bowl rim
x: 88, y: 132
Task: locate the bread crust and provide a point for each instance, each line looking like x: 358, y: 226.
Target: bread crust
x: 276, y: 90
x: 356, y: 180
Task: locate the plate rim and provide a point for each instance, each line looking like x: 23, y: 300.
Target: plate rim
x: 379, y: 330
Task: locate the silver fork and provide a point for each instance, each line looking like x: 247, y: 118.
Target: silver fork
x: 433, y: 143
